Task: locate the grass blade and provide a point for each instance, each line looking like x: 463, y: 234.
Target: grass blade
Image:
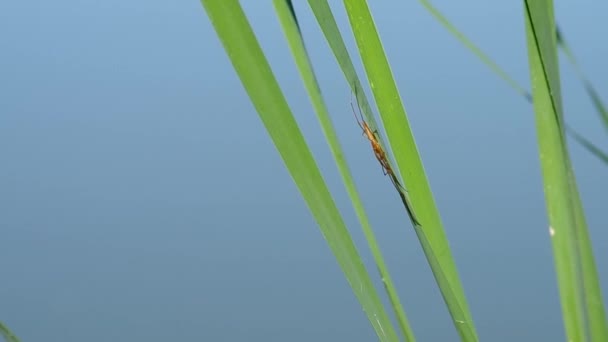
x: 253, y: 69
x: 588, y: 145
x: 480, y: 54
x: 601, y: 155
x: 591, y: 92
x: 328, y: 25
x: 601, y: 109
x: 7, y: 334
x: 293, y: 35
x: 582, y: 308
x: 330, y: 29
x: 431, y: 234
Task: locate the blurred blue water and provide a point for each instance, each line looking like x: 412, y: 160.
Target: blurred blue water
x: 126, y: 213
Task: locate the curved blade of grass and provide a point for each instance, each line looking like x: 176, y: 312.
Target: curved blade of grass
x: 431, y: 234
x: 591, y: 92
x: 287, y: 17
x: 592, y: 148
x: 582, y: 305
x: 7, y: 334
x: 253, y: 69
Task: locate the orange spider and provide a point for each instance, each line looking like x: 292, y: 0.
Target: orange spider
x: 383, y: 160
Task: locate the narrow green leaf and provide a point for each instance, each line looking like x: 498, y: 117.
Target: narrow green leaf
x: 287, y: 17
x: 328, y: 25
x: 600, y: 108
x: 594, y: 298
x: 253, y: 69
x: 588, y: 145
x: 7, y: 334
x: 544, y: 75
x: 430, y: 233
x: 469, y: 44
x: 591, y: 92
x: 582, y: 305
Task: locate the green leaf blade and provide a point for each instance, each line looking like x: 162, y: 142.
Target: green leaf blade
x: 7, y: 334
x: 600, y: 108
x: 293, y: 35
x: 431, y: 234
x: 582, y: 308
x: 253, y: 69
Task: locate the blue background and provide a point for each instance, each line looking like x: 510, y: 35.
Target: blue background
x: 142, y: 200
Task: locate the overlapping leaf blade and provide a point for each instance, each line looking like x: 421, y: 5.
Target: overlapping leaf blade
x: 580, y: 294
x: 253, y: 69
x: 431, y: 234
x: 292, y: 31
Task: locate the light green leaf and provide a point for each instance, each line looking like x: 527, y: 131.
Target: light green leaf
x: 253, y: 69
x: 7, y: 334
x: 580, y: 294
x: 430, y: 231
x: 471, y: 46
x: 289, y: 24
